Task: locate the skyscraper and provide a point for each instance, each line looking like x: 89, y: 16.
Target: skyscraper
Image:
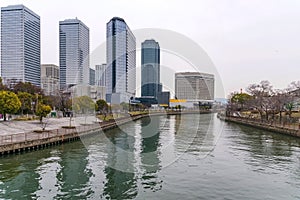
x: 150, y: 77
x: 74, y: 50
x: 100, y: 75
x: 20, y: 45
x: 121, y: 61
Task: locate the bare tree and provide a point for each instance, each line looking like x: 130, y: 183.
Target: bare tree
x: 261, y: 100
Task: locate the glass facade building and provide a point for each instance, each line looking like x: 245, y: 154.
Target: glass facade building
x: 74, y: 50
x: 92, y: 77
x: 121, y: 61
x: 150, y: 77
x: 20, y: 45
x: 100, y: 75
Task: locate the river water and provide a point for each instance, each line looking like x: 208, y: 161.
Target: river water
x: 162, y: 157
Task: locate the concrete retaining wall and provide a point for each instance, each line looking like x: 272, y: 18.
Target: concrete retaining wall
x: 260, y: 125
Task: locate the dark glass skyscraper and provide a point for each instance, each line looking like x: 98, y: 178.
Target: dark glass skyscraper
x: 74, y: 50
x: 150, y: 76
x: 20, y: 45
x: 121, y: 61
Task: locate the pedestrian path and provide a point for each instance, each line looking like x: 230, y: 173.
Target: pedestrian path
x: 14, y: 127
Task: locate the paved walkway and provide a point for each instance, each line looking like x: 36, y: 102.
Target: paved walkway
x: 14, y: 127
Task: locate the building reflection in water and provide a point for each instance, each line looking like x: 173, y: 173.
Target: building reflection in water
x: 121, y: 181
x: 16, y: 174
x: 150, y: 152
x: 74, y: 175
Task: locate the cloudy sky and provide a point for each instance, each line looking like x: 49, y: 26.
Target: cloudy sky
x: 248, y: 41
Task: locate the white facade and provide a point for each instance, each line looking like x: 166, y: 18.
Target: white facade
x: 94, y: 92
x: 74, y: 50
x: 20, y: 45
x: 100, y: 75
x: 194, y: 86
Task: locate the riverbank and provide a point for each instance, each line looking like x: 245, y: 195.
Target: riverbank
x: 32, y: 140
x: 27, y: 141
x: 273, y: 127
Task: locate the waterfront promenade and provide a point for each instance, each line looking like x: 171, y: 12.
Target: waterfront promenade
x: 17, y: 136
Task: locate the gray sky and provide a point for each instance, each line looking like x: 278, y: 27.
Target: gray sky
x: 248, y: 41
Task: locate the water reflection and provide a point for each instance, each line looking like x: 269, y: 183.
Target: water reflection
x: 266, y: 151
x: 120, y: 181
x: 150, y: 151
x: 22, y: 181
x: 74, y: 175
x: 134, y: 162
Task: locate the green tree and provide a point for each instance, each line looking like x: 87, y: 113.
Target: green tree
x: 83, y: 105
x: 42, y: 111
x: 27, y: 87
x: 9, y: 103
x: 240, y: 99
x: 102, y: 107
x: 26, y: 100
x: 125, y: 106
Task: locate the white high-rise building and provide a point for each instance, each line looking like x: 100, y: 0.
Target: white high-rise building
x: 20, y: 45
x: 194, y: 86
x: 121, y: 61
x: 100, y: 75
x: 74, y: 50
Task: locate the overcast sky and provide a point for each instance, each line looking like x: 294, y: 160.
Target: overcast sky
x: 248, y: 41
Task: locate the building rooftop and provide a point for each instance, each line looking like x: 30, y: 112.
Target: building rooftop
x: 72, y: 21
x: 118, y: 18
x: 19, y: 7
x: 193, y: 74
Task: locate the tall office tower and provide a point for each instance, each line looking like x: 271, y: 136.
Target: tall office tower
x: 121, y: 61
x: 100, y: 75
x: 74, y: 50
x: 50, y: 79
x: 92, y: 77
x: 20, y: 45
x: 194, y: 86
x: 150, y: 77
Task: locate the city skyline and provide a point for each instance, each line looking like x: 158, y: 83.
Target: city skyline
x: 245, y: 38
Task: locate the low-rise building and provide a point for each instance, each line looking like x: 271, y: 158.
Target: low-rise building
x: 50, y: 79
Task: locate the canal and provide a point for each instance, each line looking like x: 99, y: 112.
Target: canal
x: 162, y: 157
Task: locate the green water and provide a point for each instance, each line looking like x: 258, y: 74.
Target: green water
x: 166, y: 157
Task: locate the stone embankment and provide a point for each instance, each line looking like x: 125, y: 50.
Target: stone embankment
x: 287, y: 129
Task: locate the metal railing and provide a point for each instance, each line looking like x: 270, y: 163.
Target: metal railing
x: 62, y: 133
